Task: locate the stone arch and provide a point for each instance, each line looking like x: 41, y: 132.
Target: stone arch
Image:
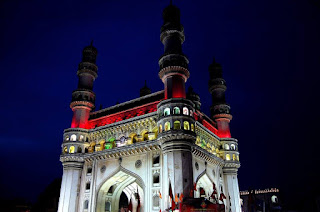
x: 144, y: 135
x: 204, y: 181
x: 133, y: 138
x: 130, y: 179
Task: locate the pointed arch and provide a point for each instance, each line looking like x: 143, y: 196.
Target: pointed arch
x: 204, y: 181
x: 127, y: 180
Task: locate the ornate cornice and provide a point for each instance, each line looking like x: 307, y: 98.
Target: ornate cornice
x: 167, y: 33
x: 173, y: 70
x: 232, y: 164
x: 85, y: 104
x: 76, y: 130
x: 224, y: 116
x: 207, y: 156
x: 176, y: 135
x: 202, y: 129
x: 126, y: 125
x: 72, y: 158
x: 132, y: 149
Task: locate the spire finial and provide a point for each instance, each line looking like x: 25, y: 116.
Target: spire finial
x: 145, y: 83
x: 170, y: 2
x: 91, y: 44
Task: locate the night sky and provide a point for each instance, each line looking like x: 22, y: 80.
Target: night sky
x: 269, y: 51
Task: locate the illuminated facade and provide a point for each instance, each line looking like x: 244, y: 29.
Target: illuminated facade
x: 131, y: 154
x: 261, y: 200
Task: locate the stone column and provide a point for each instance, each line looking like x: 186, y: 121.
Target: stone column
x: 177, y: 168
x: 232, y: 188
x: 70, y: 186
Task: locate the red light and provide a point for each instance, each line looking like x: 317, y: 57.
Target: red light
x: 123, y: 115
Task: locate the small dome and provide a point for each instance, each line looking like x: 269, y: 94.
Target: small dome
x: 215, y: 70
x: 145, y: 90
x: 89, y: 53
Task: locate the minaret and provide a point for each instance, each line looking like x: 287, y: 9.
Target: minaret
x: 75, y: 137
x: 173, y: 63
x: 83, y: 98
x: 220, y: 110
x: 176, y: 123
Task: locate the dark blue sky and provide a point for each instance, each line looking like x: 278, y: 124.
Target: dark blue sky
x: 269, y: 51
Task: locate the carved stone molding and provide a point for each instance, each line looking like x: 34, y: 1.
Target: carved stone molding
x: 132, y: 149
x: 206, y: 156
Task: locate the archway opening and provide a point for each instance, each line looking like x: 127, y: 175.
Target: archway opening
x: 123, y: 202
x: 204, y: 187
x: 121, y: 192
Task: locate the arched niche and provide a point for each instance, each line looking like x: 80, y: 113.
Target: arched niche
x: 122, y: 181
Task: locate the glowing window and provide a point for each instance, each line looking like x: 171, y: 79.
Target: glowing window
x: 81, y: 137
x: 234, y: 157
x: 228, y: 157
x: 177, y: 125
x: 226, y: 146
x: 176, y: 110
x: 185, y: 111
x: 237, y: 157
x: 274, y: 199
x: 73, y: 137
x: 233, y: 147
x: 192, y: 127
x: 186, y: 125
x: 167, y: 126
x: 71, y: 149
x: 160, y: 128
x: 67, y: 138
x: 191, y: 113
x: 166, y: 112
x: 65, y: 149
